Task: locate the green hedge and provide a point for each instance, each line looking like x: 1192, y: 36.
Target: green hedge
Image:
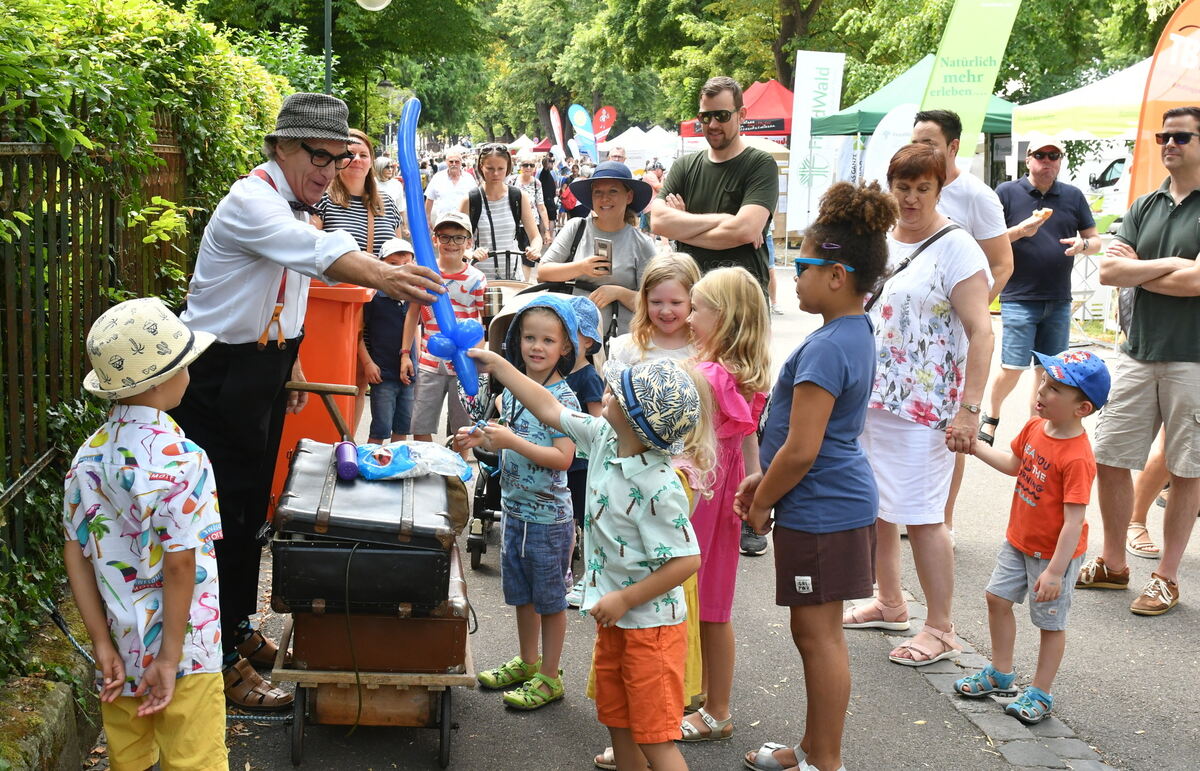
x: 88, y: 77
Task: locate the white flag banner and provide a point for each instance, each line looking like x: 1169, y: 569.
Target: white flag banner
x: 812, y: 168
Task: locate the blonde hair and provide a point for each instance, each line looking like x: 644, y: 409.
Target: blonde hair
x: 739, y: 342
x: 700, y: 445
x: 674, y: 266
x: 372, y: 200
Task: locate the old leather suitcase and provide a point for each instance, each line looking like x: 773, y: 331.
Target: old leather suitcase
x: 437, y: 643
x: 371, y: 547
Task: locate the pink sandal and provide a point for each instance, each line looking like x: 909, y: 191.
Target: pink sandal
x: 947, y: 641
x: 876, y: 615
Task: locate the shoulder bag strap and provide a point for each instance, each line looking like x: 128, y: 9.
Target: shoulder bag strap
x: 487, y: 207
x: 578, y: 237
x: 925, y: 245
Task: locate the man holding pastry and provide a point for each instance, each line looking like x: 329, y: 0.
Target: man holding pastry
x: 1050, y: 223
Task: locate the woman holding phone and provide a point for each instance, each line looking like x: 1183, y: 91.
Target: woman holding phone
x: 604, y: 251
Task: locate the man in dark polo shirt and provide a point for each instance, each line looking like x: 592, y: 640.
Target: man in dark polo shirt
x: 717, y: 204
x: 1035, y: 306
x: 1156, y: 377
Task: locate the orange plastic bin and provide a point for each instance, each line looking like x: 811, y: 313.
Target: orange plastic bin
x: 329, y: 354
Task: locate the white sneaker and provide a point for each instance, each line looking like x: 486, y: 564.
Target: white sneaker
x: 575, y: 596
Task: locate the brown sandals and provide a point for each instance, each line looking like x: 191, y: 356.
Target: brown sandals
x: 258, y: 649
x: 246, y: 688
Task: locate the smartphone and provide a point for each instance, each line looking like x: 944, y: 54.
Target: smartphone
x: 604, y: 249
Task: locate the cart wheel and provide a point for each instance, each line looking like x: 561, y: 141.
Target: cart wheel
x: 298, y: 705
x: 445, y: 725
x: 476, y: 551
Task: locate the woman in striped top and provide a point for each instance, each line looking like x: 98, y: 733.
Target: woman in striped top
x: 496, y: 228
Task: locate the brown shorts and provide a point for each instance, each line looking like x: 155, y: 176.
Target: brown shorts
x: 816, y: 568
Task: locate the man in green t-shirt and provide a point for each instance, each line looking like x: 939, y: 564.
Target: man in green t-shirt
x: 717, y: 204
x: 1157, y: 374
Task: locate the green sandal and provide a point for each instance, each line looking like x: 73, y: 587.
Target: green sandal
x: 989, y: 682
x: 530, y: 695
x: 1032, y: 706
x: 513, y: 673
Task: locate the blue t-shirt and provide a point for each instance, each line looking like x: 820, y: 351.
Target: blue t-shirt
x: 838, y: 492
x: 528, y: 491
x: 1040, y: 269
x: 383, y: 333
x: 588, y: 387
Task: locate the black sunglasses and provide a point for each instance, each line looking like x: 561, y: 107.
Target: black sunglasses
x: 720, y: 116
x: 528, y: 165
x: 1180, y: 137
x: 322, y: 158
x: 1050, y: 156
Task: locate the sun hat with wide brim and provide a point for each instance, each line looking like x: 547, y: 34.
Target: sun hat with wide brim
x: 642, y: 192
x: 312, y: 116
x: 137, y: 345
x: 507, y: 324
x: 659, y: 399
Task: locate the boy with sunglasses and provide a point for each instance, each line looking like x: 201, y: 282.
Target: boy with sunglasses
x: 436, y: 381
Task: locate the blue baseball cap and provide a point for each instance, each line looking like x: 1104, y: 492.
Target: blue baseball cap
x: 1080, y: 369
x: 588, y: 316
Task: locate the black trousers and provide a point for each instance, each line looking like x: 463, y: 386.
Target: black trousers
x: 234, y: 409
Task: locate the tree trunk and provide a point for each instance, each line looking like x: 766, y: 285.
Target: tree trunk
x: 793, y: 23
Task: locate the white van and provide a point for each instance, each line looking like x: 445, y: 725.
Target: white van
x: 1108, y: 190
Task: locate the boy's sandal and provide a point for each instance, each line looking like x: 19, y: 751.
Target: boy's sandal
x: 607, y: 760
x: 1032, y: 706
x: 246, y: 688
x: 986, y: 683
x: 1139, y: 543
x: 983, y: 436
x: 876, y: 615
x: 919, y: 655
x: 763, y: 759
x: 531, y: 695
x: 512, y: 672
x: 717, y: 730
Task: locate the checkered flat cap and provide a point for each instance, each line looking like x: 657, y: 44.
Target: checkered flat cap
x: 312, y: 116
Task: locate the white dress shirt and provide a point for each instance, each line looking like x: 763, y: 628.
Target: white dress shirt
x: 251, y: 240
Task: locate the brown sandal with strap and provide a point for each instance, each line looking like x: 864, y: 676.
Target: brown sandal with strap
x: 246, y: 688
x: 258, y: 649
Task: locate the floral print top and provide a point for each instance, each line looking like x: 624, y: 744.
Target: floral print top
x: 920, y: 340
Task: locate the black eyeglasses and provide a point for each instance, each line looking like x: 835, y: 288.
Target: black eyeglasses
x: 1050, y: 156
x: 445, y: 239
x: 322, y: 158
x: 802, y: 263
x: 708, y: 116
x: 1180, y: 137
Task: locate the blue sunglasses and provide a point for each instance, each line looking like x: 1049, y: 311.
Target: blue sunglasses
x: 802, y: 264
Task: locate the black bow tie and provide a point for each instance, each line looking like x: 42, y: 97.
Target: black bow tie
x: 301, y: 206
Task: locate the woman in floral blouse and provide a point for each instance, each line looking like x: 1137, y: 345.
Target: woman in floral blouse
x: 934, y: 339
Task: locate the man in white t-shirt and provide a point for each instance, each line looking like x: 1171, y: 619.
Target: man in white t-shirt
x: 448, y: 188
x: 973, y: 206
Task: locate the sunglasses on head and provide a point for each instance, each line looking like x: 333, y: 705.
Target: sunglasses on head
x: 708, y: 116
x: 1180, y: 137
x: 802, y: 263
x: 1046, y: 156
x: 494, y: 147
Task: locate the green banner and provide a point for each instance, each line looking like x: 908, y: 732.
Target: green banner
x: 968, y: 59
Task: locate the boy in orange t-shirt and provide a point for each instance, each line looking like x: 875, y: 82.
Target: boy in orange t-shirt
x: 1047, y: 536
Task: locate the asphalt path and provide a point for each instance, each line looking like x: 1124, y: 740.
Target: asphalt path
x: 1127, y: 685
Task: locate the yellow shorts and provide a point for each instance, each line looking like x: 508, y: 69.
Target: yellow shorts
x: 189, y: 735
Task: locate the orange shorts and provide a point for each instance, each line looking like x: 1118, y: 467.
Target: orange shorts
x: 639, y: 680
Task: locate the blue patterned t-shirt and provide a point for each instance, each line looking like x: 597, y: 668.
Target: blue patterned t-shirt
x: 528, y: 491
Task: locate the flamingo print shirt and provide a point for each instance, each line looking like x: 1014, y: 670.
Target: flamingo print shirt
x: 635, y: 520
x: 137, y: 489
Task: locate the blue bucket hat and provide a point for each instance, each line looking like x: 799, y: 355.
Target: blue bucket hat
x: 642, y: 192
x: 658, y: 398
x: 1079, y: 369
x: 588, y: 316
x: 558, y: 304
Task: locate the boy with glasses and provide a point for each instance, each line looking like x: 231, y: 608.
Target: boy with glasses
x: 436, y: 381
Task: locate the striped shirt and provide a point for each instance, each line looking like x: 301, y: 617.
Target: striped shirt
x: 353, y: 220
x: 497, y: 216
x: 465, y: 291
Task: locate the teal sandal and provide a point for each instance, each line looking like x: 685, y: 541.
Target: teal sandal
x: 1031, y: 707
x: 531, y: 696
x: 989, y: 682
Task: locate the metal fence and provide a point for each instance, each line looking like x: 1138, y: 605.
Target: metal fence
x: 71, y: 261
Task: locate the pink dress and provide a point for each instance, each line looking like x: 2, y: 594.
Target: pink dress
x: 717, y: 527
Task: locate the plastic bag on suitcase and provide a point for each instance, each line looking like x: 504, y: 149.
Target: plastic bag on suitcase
x: 400, y: 460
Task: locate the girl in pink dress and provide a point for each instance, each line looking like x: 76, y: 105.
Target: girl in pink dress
x: 730, y: 327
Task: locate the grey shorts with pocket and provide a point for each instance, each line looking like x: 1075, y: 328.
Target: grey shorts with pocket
x: 1016, y: 573
x: 432, y: 390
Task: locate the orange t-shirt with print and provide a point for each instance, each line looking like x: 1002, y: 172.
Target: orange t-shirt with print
x: 1053, y: 472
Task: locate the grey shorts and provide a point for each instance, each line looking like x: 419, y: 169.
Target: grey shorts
x: 1016, y: 573
x: 432, y: 389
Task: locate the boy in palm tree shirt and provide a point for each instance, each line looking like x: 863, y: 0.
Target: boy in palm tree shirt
x: 639, y: 547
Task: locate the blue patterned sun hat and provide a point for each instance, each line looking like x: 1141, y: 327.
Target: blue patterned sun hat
x: 588, y: 316
x: 659, y: 399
